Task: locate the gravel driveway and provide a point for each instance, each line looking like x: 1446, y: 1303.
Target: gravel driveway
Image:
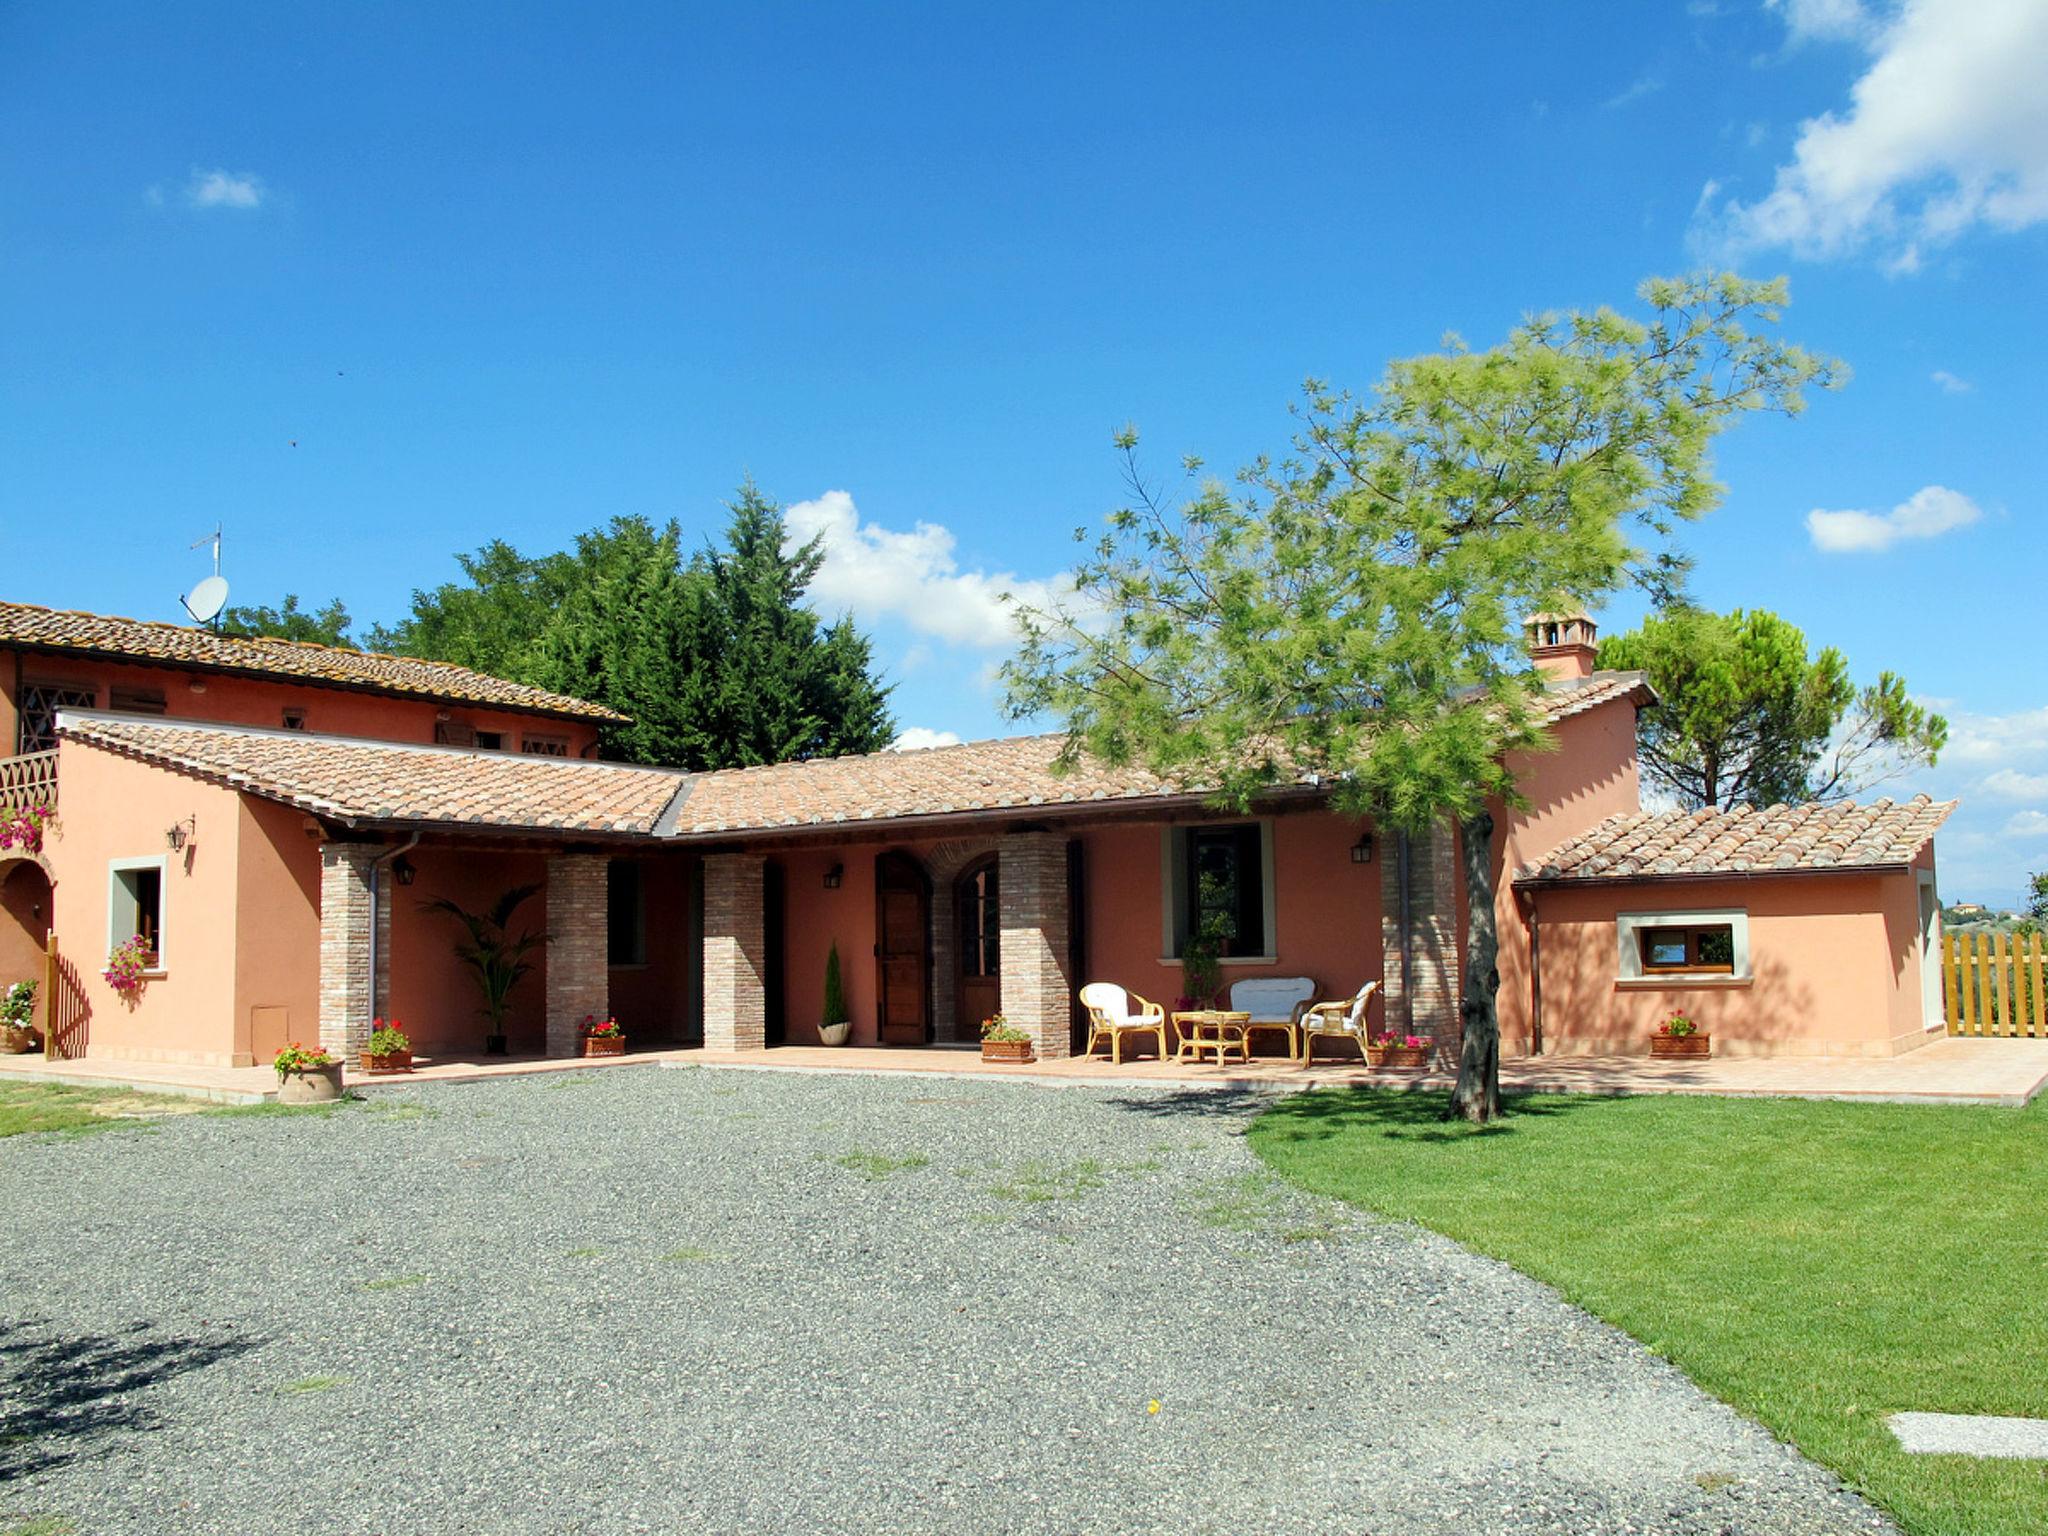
x: 704, y: 1300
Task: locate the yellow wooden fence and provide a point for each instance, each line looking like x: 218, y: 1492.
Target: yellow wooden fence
x: 1995, y: 984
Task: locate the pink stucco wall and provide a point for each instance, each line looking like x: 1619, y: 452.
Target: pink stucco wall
x: 240, y: 913
x: 432, y: 994
x: 1835, y: 963
x: 261, y: 702
x: 1326, y: 911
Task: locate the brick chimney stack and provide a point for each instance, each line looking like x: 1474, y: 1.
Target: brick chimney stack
x: 1562, y: 644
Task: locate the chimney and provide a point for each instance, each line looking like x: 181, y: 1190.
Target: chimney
x: 1562, y: 644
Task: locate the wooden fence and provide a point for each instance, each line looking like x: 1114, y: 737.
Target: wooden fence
x: 1995, y: 984
x: 67, y: 1016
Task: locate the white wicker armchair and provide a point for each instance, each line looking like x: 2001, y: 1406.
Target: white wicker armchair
x: 1114, y: 1013
x: 1344, y: 1019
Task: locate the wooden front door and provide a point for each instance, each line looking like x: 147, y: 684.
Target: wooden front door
x: 902, y: 950
x: 980, y: 983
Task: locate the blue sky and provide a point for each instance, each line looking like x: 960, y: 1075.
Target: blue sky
x: 374, y: 286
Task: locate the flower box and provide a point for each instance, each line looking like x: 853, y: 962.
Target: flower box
x: 1014, y: 1051
x: 604, y: 1045
x: 310, y: 1085
x: 1397, y: 1058
x: 1681, y: 1045
x: 388, y: 1061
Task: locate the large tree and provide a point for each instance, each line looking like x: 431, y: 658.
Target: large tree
x: 323, y: 626
x: 1353, y: 610
x: 1745, y: 716
x: 717, y: 658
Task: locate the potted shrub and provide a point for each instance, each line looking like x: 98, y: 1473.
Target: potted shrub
x: 17, y: 1019
x: 602, y: 1037
x: 390, y: 1048
x: 837, y: 1028
x: 1679, y: 1036
x: 495, y: 957
x: 307, y: 1076
x: 1402, y: 1053
x: 1003, y: 1041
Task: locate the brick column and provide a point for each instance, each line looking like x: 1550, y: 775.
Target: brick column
x: 1032, y: 896
x: 735, y: 953
x: 345, y: 1003
x: 1422, y: 996
x: 579, y: 936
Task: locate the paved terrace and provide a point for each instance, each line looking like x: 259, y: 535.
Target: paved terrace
x: 1948, y: 1071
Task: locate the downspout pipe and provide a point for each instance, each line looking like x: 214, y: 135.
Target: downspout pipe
x: 377, y: 868
x: 1526, y: 900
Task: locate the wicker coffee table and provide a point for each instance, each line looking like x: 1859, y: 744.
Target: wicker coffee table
x: 1217, y: 1030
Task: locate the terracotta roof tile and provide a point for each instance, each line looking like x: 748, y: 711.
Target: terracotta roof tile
x: 361, y: 781
x: 1885, y: 834
x: 54, y: 629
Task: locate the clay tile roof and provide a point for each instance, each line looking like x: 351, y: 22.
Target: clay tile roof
x: 364, y: 781
x: 1004, y: 774
x: 181, y: 645
x: 1883, y: 835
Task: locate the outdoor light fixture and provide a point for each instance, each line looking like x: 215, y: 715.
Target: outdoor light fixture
x: 180, y: 833
x: 402, y: 870
x: 1361, y: 851
x: 833, y: 875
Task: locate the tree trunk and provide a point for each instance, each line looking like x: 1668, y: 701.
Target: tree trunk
x: 1477, y: 1094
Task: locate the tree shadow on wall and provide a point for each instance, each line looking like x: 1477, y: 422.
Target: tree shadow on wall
x: 67, y: 1396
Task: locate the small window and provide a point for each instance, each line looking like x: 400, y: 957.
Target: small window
x: 490, y: 741
x: 37, y: 727
x: 1220, y: 881
x: 1709, y: 947
x: 545, y: 746
x: 625, y: 914
x: 135, y: 907
x: 295, y: 719
x: 136, y: 701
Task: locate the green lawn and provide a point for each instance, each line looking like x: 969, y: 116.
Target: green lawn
x: 63, y: 1107
x: 1817, y: 1265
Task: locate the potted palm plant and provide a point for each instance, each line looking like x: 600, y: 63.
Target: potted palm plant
x: 837, y: 1028
x: 495, y: 957
x: 17, y: 1019
x: 1680, y: 1036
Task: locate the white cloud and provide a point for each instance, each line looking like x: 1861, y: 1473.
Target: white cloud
x: 1996, y: 738
x: 914, y: 576
x: 224, y: 189
x: 1635, y: 90
x: 2028, y: 824
x: 917, y: 737
x: 1946, y: 131
x: 1823, y: 21
x: 1949, y: 384
x: 2011, y: 784
x: 1927, y: 513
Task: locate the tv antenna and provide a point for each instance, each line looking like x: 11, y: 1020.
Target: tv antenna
x: 211, y: 595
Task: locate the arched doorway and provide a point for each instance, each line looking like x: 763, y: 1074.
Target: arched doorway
x: 902, y: 950
x: 24, y: 926
x: 977, y: 910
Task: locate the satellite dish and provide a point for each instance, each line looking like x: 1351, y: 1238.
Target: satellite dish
x: 207, y: 600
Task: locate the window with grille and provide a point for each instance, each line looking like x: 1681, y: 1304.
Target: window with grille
x: 545, y: 746
x: 37, y: 728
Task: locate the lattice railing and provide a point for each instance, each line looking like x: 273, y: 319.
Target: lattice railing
x: 28, y: 781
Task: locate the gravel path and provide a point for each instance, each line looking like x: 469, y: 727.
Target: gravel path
x: 701, y: 1300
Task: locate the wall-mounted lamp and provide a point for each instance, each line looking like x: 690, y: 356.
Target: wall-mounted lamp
x: 179, y: 833
x: 196, y: 684
x: 833, y: 876
x: 402, y: 870
x: 1361, y: 851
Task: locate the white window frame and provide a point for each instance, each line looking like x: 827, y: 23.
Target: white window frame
x: 1173, y: 879
x: 161, y: 863
x: 1928, y: 923
x: 1628, y: 927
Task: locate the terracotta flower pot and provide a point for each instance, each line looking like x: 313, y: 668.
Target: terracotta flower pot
x: 394, y: 1061
x: 835, y: 1034
x: 1681, y: 1045
x: 1015, y: 1051
x: 1397, y: 1058
x: 314, y: 1085
x: 16, y: 1039
x: 604, y: 1045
